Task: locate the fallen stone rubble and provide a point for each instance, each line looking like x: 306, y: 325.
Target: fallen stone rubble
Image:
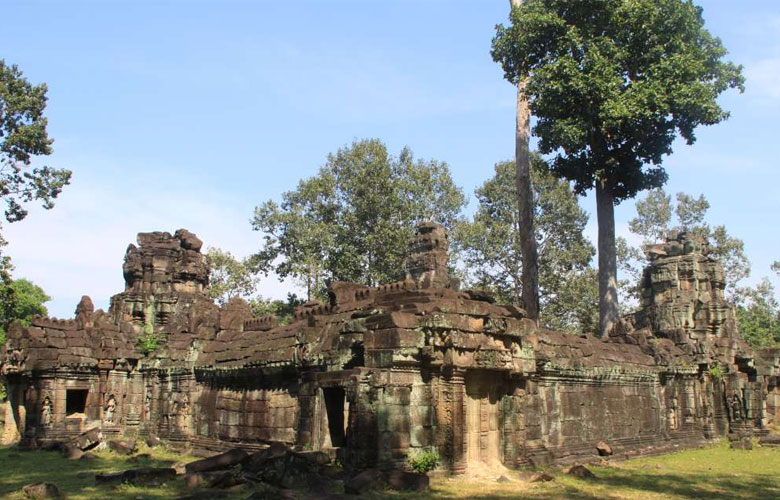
x: 274, y: 472
x: 279, y: 468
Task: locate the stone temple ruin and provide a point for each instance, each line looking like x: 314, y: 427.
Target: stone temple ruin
x: 377, y: 373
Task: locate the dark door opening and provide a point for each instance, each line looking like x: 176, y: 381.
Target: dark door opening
x: 76, y: 401
x: 334, y: 412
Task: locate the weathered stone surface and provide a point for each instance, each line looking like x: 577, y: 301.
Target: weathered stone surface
x: 683, y: 291
x: 364, y: 481
x: 223, y: 479
x: 217, y: 462
x: 153, y: 441
x: 122, y: 447
x: 145, y: 476
x: 407, y: 481
x: 89, y: 439
x: 580, y: 471
x: 770, y: 440
x: 541, y: 477
x: 426, y: 261
x: 42, y: 491
x: 72, y: 452
x: 604, y: 449
x: 194, y: 480
x: 379, y: 374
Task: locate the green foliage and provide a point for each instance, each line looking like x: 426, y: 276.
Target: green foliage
x: 758, y: 315
x: 654, y: 220
x: 716, y: 371
x: 423, y: 461
x: 282, y: 309
x: 23, y: 136
x: 612, y: 83
x: 20, y: 301
x: 352, y: 221
x: 149, y: 341
x: 491, y: 247
x: 229, y: 276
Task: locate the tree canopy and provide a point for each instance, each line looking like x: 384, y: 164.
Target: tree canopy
x: 352, y: 221
x: 612, y: 83
x: 491, y: 248
x: 230, y: 277
x: 20, y: 300
x: 758, y: 315
x: 23, y: 136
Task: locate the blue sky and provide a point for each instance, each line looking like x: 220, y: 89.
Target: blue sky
x: 188, y: 114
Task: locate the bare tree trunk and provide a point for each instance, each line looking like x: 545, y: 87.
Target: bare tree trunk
x: 608, y: 298
x: 525, y: 200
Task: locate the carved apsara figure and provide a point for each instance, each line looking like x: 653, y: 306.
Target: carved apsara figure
x: 148, y: 404
x: 110, y: 409
x: 673, y: 414
x: 47, y: 412
x: 737, y: 414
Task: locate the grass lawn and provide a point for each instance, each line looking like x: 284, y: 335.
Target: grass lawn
x: 709, y: 473
x: 18, y: 468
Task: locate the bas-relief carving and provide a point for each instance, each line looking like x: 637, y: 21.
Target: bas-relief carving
x: 109, y: 410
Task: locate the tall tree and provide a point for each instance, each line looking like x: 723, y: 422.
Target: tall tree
x: 353, y: 220
x: 230, y: 277
x: 23, y: 136
x: 529, y: 251
x: 612, y: 83
x: 492, y: 248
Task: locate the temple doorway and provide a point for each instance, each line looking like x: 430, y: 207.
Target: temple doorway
x: 483, y: 436
x: 335, y: 416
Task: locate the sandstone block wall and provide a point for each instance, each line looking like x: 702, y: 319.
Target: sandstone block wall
x: 378, y: 373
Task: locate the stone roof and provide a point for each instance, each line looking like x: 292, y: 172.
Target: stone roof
x: 422, y: 320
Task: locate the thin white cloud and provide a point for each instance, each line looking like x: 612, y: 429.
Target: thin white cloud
x: 763, y: 79
x: 78, y: 247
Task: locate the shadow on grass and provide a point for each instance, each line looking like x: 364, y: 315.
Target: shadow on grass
x: 76, y: 478
x: 704, y: 486
x: 618, y: 484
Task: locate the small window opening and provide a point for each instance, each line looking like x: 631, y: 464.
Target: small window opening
x: 76, y: 401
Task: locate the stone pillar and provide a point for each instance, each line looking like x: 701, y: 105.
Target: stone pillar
x: 16, y: 414
x: 459, y: 451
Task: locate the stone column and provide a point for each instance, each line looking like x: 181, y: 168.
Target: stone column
x: 459, y: 443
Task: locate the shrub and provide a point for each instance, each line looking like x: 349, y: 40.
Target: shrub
x: 149, y: 341
x: 424, y: 461
x: 716, y: 371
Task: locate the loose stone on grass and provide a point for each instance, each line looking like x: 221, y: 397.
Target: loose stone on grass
x: 580, y: 471
x: 42, y: 491
x: 541, y: 477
